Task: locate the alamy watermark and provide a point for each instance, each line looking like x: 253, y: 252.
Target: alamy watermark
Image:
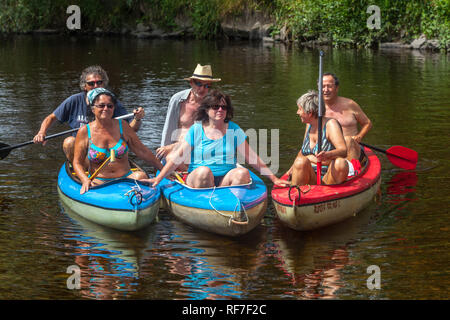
x: 74, y: 20
x: 374, y: 21
x: 74, y: 280
x: 374, y: 281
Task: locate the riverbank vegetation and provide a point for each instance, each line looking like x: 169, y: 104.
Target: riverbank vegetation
x: 340, y: 23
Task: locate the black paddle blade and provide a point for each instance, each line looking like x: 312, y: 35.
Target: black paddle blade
x: 4, y: 150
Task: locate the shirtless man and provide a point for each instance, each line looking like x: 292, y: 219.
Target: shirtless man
x: 182, y: 108
x: 348, y: 113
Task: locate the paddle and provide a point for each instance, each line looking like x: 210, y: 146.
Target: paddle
x: 177, y: 175
x: 5, y: 149
x: 319, y: 122
x: 399, y: 156
x: 96, y: 172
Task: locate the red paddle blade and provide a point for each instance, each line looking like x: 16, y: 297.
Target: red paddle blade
x: 402, y: 157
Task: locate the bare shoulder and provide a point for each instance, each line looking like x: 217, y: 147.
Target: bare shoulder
x: 82, y: 132
x: 128, y: 132
x: 333, y: 124
x: 81, y: 140
x: 125, y: 125
x: 349, y: 104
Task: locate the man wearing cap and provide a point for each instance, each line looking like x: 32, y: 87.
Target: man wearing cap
x: 74, y: 110
x: 182, y: 107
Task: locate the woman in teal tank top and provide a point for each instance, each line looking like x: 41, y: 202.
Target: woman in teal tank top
x: 333, y: 148
x: 105, y: 137
x: 211, y: 146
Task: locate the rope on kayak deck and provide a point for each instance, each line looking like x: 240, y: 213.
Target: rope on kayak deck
x: 136, y: 192
x: 231, y: 217
x: 299, y: 193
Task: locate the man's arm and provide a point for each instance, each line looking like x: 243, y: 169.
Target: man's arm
x: 46, y: 124
x: 163, y: 151
x: 139, y: 114
x: 172, y: 116
x: 363, y: 121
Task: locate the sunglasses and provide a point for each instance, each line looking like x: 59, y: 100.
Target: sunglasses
x: 102, y: 106
x: 217, y: 107
x: 199, y: 84
x: 92, y: 83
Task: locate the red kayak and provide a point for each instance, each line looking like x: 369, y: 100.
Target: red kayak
x: 317, y: 206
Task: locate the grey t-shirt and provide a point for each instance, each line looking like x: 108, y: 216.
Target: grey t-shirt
x: 173, y: 114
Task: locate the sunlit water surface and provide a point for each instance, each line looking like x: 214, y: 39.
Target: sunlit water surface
x: 404, y: 232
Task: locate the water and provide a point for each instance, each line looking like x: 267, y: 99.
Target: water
x: 404, y: 233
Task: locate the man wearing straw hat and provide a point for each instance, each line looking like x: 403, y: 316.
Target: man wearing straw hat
x: 182, y: 107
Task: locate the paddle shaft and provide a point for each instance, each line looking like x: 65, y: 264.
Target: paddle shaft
x: 319, y: 121
x: 179, y: 178
x: 46, y: 138
x: 9, y: 148
x: 96, y: 172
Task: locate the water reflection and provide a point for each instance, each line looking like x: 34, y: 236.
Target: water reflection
x: 203, y: 265
x: 109, y: 259
x: 404, y: 93
x: 401, y: 187
x: 313, y: 262
x: 5, y: 204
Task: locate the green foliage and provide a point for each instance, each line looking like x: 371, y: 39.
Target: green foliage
x: 106, y: 15
x: 205, y: 18
x: 435, y: 22
x: 342, y: 22
x: 162, y: 12
x: 13, y: 16
x: 28, y: 15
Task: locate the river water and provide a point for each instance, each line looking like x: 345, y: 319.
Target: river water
x: 405, y: 232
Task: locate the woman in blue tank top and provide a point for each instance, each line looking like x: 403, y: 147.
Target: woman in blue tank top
x: 105, y: 137
x: 333, y: 148
x: 211, y: 146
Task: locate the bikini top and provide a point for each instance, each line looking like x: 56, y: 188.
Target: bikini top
x: 98, y: 155
x: 326, y: 144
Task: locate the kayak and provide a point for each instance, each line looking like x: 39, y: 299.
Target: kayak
x: 318, y: 206
x: 230, y: 211
x: 123, y: 204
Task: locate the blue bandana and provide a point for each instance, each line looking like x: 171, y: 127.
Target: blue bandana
x: 94, y: 93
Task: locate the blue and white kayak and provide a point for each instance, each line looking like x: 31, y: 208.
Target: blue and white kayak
x: 230, y: 211
x: 123, y: 204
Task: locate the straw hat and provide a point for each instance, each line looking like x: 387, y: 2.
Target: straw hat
x: 203, y: 73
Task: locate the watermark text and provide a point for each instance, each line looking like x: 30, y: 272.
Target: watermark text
x: 74, y: 20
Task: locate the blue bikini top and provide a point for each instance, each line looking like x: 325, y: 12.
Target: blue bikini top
x: 98, y: 155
